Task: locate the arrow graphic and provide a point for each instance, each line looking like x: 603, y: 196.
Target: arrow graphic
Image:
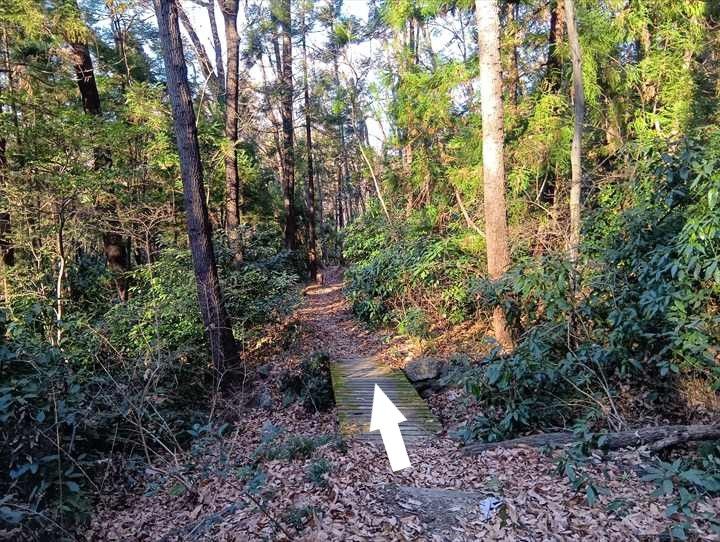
x: 386, y: 418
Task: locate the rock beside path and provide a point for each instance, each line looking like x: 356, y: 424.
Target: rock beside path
x: 424, y: 368
x: 440, y: 508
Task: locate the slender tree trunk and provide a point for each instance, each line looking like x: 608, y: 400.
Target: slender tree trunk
x: 377, y: 186
x: 312, y: 234
x: 118, y: 260
x: 206, y: 66
x: 59, y: 282
x: 428, y: 44
x: 320, y: 207
x: 11, y: 87
x: 119, y: 35
x: 579, y: 114
x: 553, y: 79
x: 286, y: 110
x: 232, y: 178
x: 217, y: 324
x: 555, y: 37
x: 7, y: 252
x: 514, y: 75
x: 113, y: 243
x: 340, y: 220
x: 407, y: 133
x: 342, y: 165
x: 6, y: 247
x: 217, y: 46
x: 496, y: 229
x: 349, y: 205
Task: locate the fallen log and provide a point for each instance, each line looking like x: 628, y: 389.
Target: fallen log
x: 656, y: 438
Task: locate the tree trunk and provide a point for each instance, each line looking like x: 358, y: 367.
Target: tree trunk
x: 554, y: 66
x: 409, y: 60
x: 513, y: 79
x: 378, y: 192
x: 6, y: 247
x: 205, y: 65
x: 232, y: 179
x: 657, y: 438
x: 113, y: 244
x: 312, y: 234
x: 59, y: 282
x: 7, y: 252
x: 120, y: 39
x: 217, y: 324
x: 340, y: 219
x: 86, y: 79
x: 321, y: 201
x: 496, y: 229
x: 342, y: 156
x: 117, y: 257
x: 219, y: 68
x: 286, y: 110
x: 579, y: 114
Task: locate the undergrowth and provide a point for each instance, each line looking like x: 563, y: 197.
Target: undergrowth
x: 643, y: 314
x: 645, y: 308
x: 131, y: 378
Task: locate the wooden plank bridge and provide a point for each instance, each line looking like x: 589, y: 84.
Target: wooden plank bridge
x: 354, y: 381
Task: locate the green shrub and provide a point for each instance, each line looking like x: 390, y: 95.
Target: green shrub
x: 162, y: 317
x: 418, y: 269
x: 48, y: 424
x: 297, y: 517
x: 317, y: 472
x: 118, y: 367
x: 647, y: 308
x: 414, y: 322
x: 687, y: 482
x: 311, y: 383
x: 276, y: 444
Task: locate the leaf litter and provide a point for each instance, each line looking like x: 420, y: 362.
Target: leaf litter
x: 237, y: 495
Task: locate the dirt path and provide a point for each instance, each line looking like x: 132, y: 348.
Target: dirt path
x: 357, y: 367
x: 312, y: 486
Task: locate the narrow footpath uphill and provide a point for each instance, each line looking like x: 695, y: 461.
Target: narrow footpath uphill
x: 284, y: 473
x: 358, y: 365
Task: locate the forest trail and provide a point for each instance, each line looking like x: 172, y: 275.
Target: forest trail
x: 353, y: 494
x: 356, y: 367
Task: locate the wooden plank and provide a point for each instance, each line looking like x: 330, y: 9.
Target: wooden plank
x: 354, y: 382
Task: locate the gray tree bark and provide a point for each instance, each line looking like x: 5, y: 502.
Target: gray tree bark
x: 232, y: 178
x: 286, y: 112
x: 205, y: 65
x: 217, y: 324
x: 496, y: 229
x: 219, y: 67
x: 579, y: 114
x: 312, y: 233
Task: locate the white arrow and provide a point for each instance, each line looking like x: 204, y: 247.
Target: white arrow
x: 387, y: 418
